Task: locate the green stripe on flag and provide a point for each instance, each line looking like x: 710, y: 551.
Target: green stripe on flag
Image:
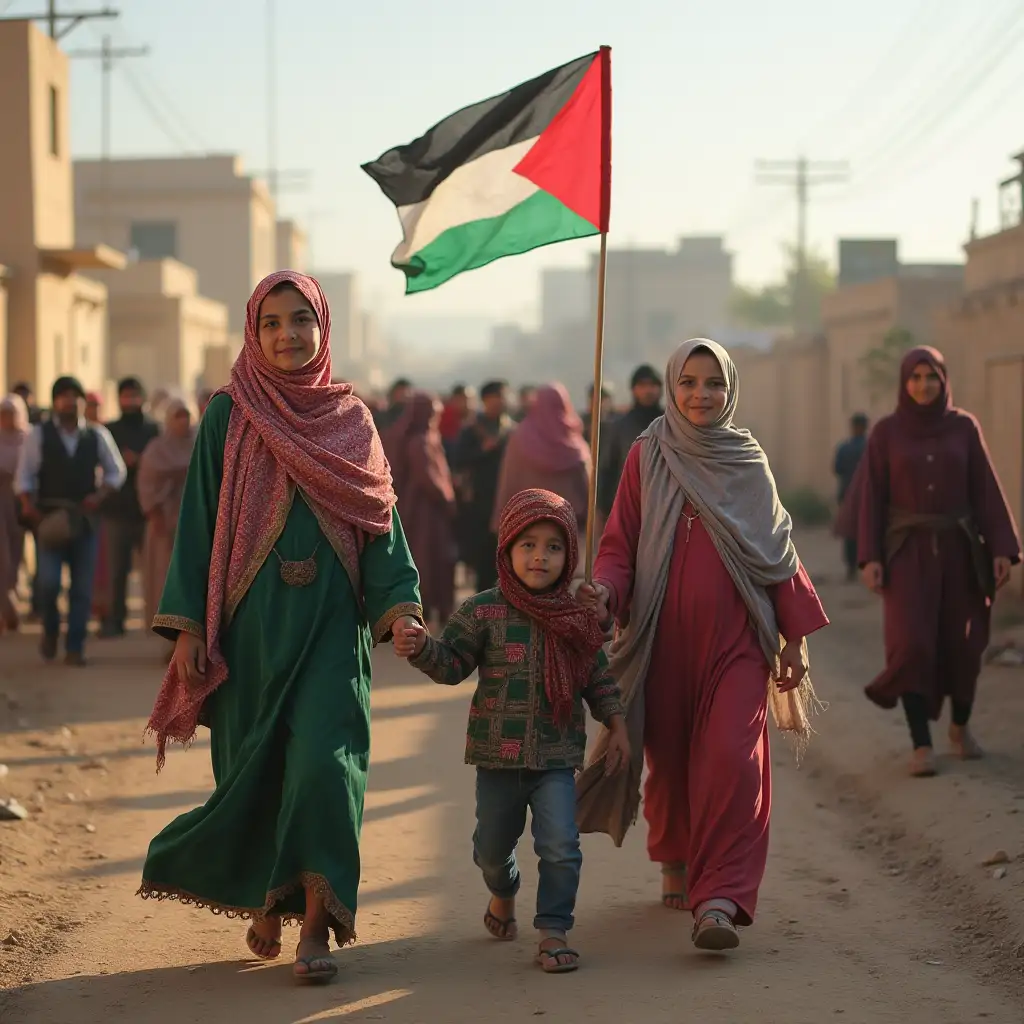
x: 539, y: 220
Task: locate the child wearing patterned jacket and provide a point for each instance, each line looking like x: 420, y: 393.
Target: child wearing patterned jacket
x: 538, y: 655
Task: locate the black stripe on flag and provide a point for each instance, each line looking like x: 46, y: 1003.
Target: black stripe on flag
x: 409, y: 174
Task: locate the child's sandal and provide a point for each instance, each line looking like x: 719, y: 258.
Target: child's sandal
x: 544, y: 955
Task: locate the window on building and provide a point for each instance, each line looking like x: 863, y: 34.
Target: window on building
x: 54, y: 121
x: 155, y: 240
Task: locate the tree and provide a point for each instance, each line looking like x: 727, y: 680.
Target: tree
x: 773, y: 306
x: 880, y: 366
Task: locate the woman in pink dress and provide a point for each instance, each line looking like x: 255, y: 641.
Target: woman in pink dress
x: 13, y: 430
x: 698, y: 567
x: 163, y: 467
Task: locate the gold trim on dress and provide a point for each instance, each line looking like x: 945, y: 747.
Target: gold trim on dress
x: 259, y: 556
x: 342, y: 919
x: 343, y: 552
x: 383, y: 625
x: 179, y: 624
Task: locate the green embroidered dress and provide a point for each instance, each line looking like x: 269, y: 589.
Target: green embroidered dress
x: 290, y: 727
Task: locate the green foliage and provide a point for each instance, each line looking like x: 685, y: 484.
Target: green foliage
x: 880, y: 366
x: 772, y: 305
x: 806, y: 507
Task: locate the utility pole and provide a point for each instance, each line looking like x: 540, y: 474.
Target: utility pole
x: 53, y: 18
x: 107, y: 55
x: 1005, y: 192
x: 801, y: 174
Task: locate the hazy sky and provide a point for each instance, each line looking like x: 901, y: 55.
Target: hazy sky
x: 921, y: 96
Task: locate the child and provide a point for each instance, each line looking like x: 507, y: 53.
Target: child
x: 538, y: 653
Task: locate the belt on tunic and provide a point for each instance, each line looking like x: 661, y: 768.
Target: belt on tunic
x: 902, y: 523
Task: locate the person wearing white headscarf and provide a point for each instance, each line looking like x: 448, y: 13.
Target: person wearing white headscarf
x: 698, y: 567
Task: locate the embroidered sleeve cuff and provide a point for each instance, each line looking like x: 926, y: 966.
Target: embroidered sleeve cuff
x: 382, y: 628
x: 169, y: 626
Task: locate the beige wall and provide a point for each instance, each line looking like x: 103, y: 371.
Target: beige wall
x: 159, y: 327
x: 291, y: 247
x: 226, y: 226
x: 71, y: 331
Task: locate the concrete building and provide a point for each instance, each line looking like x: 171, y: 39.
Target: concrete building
x: 856, y: 320
x: 202, y: 211
x: 161, y: 327
x: 565, y: 298
x: 657, y: 298
x: 342, y: 291
x: 291, y: 246
x: 982, y: 337
x: 55, y: 318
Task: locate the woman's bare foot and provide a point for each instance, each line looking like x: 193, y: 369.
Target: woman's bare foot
x: 555, y: 955
x: 500, y: 919
x: 922, y: 763
x: 264, y: 938
x: 673, y: 887
x: 964, y: 745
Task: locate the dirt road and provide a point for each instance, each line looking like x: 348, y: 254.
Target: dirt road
x: 877, y: 906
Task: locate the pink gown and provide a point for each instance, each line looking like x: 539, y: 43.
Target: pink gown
x: 707, y: 799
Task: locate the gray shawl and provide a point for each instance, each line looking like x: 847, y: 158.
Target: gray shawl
x: 724, y: 473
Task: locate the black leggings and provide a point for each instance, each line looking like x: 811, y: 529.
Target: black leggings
x: 915, y: 707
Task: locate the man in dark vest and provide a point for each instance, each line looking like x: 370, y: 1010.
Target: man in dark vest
x: 67, y: 464
x: 123, y: 520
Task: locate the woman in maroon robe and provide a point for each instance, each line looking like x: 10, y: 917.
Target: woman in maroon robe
x: 698, y: 566
x: 426, y: 496
x: 936, y: 541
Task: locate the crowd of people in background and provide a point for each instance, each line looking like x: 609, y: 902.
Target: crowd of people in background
x: 99, y: 495
x: 97, y: 500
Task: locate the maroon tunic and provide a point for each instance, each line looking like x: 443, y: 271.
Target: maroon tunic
x: 708, y: 794
x: 936, y: 614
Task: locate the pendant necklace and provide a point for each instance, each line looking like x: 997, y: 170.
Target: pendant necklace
x: 689, y: 522
x: 298, y: 574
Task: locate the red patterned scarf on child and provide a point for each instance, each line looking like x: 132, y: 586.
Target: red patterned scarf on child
x: 572, y: 635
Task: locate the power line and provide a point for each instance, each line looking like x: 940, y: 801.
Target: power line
x: 107, y: 55
x: 54, y: 18
x: 917, y: 125
x: 801, y: 175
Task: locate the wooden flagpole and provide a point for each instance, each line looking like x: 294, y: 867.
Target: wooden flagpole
x: 602, y: 276
x: 595, y: 409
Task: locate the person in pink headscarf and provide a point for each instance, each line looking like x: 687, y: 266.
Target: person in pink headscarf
x: 289, y: 564
x: 548, y: 452
x: 13, y: 429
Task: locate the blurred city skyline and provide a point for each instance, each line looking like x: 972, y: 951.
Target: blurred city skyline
x: 918, y: 97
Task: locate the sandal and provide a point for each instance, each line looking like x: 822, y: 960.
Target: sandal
x: 963, y: 743
x: 502, y: 929
x: 554, y: 967
x: 676, y: 871
x: 314, y: 974
x: 715, y: 930
x: 922, y: 763
x: 251, y: 938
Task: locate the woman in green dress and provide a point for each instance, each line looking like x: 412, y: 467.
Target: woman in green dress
x: 289, y: 563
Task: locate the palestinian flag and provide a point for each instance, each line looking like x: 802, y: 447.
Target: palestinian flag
x: 524, y: 169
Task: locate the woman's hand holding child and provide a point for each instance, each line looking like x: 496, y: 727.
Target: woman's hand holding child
x: 595, y: 596
x: 409, y: 638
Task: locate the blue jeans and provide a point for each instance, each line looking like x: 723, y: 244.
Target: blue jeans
x: 502, y: 797
x: 80, y: 556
